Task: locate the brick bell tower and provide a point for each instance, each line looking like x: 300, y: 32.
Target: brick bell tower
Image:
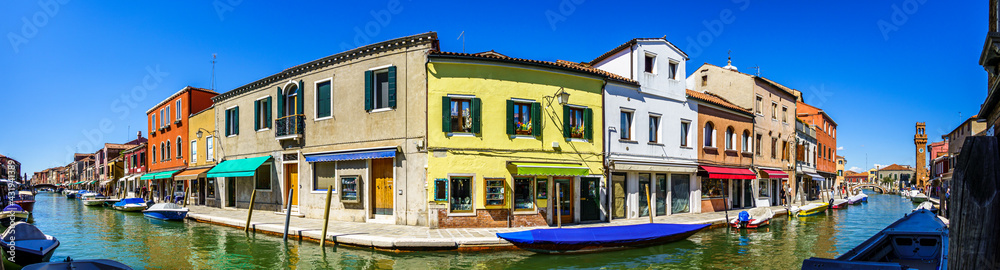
x: 920, y: 140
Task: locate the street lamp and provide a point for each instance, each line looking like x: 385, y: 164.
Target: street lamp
x: 562, y: 96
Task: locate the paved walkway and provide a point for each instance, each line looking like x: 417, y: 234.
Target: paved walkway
x: 402, y: 237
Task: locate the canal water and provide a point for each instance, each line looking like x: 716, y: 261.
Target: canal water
x: 95, y: 232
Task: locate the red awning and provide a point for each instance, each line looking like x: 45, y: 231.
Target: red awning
x: 775, y: 174
x: 728, y: 173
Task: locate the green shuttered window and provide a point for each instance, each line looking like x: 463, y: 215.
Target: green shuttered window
x: 524, y: 118
x: 461, y: 115
x: 323, y: 100
x: 577, y: 123
x: 380, y: 88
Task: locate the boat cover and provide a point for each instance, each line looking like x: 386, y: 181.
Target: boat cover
x: 131, y: 201
x: 13, y: 207
x: 165, y: 206
x: 600, y: 235
x: 23, y: 231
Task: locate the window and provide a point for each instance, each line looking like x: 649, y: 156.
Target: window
x: 762, y: 187
x: 704, y: 80
x: 142, y: 157
x: 760, y: 101
x: 524, y: 195
x: 774, y: 111
x: 654, y: 129
x: 210, y: 188
x: 784, y: 150
x: 209, y: 150
x: 324, y: 99
x: 194, y: 151
x: 262, y: 179
x: 730, y: 139
x: 495, y: 192
x: 774, y: 148
x: 165, y: 150
x: 784, y: 114
x: 380, y: 88
x: 441, y: 190
x: 349, y: 189
x: 461, y: 195
x: 460, y: 115
x: 153, y: 124
x: 178, y: 105
x: 650, y: 63
x: 522, y: 118
x: 709, y: 134
x: 163, y: 119
x: 324, y: 175
x: 233, y: 121
x: 685, y: 125
x: 541, y: 189
x: 746, y: 141
x: 262, y: 113
x: 166, y: 119
x: 672, y: 70
x: 180, y: 145
x: 577, y: 122
x: 626, y: 125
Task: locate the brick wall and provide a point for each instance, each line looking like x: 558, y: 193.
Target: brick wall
x: 490, y: 218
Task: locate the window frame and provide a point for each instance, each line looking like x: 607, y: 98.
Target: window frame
x: 316, y: 101
x: 522, y: 106
x: 532, y: 185
x: 784, y: 114
x: 178, y: 103
x: 625, y: 133
x: 194, y: 151
x: 316, y: 188
x: 573, y: 110
x: 747, y: 145
x: 256, y: 176
x: 649, y: 63
x: 459, y: 100
x: 708, y: 139
x: 759, y: 105
x: 209, y: 148
x: 180, y: 148
x: 654, y: 128
x: 672, y: 68
x: 262, y: 109
x: 685, y: 133
x: 774, y: 110
x: 375, y: 89
x: 472, y: 195
x: 731, y: 138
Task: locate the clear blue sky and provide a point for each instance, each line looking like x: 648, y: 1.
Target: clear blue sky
x: 68, y: 69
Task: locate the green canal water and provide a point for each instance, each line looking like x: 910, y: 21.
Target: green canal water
x: 95, y: 232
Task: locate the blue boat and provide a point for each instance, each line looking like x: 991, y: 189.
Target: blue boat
x: 130, y: 205
x: 597, y: 239
x: 166, y: 211
x: 916, y: 241
x: 23, y: 244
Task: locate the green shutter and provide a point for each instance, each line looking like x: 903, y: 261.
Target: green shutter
x: 446, y: 114
x: 536, y: 119
x: 566, y: 132
x: 323, y: 100
x: 510, y: 117
x: 256, y: 114
x: 228, y: 119
x: 301, y: 97
x: 236, y: 120
x: 588, y: 118
x: 392, y: 87
x: 267, y: 113
x: 476, y: 115
x: 281, y: 103
x: 368, y: 90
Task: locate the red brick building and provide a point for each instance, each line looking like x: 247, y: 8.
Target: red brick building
x: 826, y: 138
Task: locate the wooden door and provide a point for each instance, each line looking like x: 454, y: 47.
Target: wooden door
x: 381, y: 199
x: 618, y: 191
x: 590, y: 202
x: 292, y: 176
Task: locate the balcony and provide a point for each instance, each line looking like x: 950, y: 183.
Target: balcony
x: 289, y: 127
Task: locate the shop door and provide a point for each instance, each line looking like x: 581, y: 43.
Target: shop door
x: 292, y: 181
x: 590, y: 201
x: 619, y: 188
x: 230, y: 192
x: 736, y: 191
x: 748, y: 193
x: 381, y: 171
x: 565, y: 190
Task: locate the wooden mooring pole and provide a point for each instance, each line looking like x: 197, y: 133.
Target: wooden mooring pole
x: 326, y: 216
x: 974, y: 210
x: 648, y: 204
x: 558, y: 208
x: 288, y: 215
x: 253, y: 195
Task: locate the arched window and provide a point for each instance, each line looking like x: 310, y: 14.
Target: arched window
x: 154, y: 154
x: 180, y: 147
x: 730, y: 139
x: 746, y: 141
x: 166, y: 154
x: 709, y: 134
x: 291, y: 96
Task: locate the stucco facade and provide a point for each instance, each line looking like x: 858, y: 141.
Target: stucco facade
x: 724, y: 141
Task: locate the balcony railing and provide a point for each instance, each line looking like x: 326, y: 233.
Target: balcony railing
x: 292, y: 126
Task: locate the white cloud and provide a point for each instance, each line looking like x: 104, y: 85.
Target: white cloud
x: 856, y: 169
x: 840, y: 148
x: 876, y: 165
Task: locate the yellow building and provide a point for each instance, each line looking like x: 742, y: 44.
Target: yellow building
x: 502, y: 132
x: 201, y: 190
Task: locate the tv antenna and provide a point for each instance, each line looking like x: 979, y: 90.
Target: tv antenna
x: 756, y: 67
x: 213, y: 72
x: 462, y: 37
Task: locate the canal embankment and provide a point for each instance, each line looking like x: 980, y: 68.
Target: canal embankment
x: 391, y: 237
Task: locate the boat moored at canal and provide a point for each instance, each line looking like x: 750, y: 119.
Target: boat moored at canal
x: 93, y: 199
x: 13, y: 213
x: 24, y: 244
x: 25, y: 199
x: 598, y: 239
x: 753, y: 218
x: 812, y: 209
x: 131, y: 205
x: 916, y: 241
x: 839, y: 204
x: 166, y: 211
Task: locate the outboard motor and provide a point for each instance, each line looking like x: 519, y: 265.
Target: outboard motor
x: 744, y: 219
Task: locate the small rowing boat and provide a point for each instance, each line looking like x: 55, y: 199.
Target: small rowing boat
x: 856, y: 199
x: 916, y: 241
x: 597, y: 239
x: 13, y: 213
x: 839, y: 204
x: 812, y: 209
x: 918, y: 197
x: 753, y: 218
x: 24, y: 244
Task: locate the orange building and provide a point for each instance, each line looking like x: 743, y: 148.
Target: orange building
x: 826, y: 140
x: 168, y: 138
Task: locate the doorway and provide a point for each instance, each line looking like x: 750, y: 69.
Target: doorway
x: 230, y: 192
x: 737, y: 192
x: 381, y: 199
x: 292, y: 181
x: 565, y: 191
x: 590, y: 202
x: 619, y: 188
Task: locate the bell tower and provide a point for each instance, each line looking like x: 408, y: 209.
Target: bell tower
x: 920, y: 141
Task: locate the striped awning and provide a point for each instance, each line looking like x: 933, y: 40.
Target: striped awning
x: 728, y: 173
x: 354, y: 155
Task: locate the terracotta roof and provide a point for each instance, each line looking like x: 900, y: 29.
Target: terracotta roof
x: 895, y: 167
x: 776, y: 85
x: 854, y: 174
x: 717, y: 100
x: 565, y: 65
x: 182, y: 91
x: 630, y: 43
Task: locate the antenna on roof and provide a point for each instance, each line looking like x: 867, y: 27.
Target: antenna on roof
x: 462, y: 37
x: 213, y: 72
x: 757, y: 67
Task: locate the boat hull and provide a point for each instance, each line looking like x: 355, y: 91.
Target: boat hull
x: 918, y: 199
x: 95, y: 202
x: 81, y: 264
x: 842, y: 205
x: 130, y: 208
x: 558, y: 244
x: 165, y: 215
x: 71, y: 196
x: 813, y: 211
x: 27, y: 205
x: 752, y: 224
x: 11, y: 217
x: 916, y: 241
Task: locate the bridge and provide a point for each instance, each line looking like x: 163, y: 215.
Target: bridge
x: 38, y: 186
x: 858, y: 187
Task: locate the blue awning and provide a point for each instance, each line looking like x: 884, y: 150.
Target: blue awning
x: 816, y: 177
x: 355, y: 155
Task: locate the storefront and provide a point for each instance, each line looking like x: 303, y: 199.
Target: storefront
x: 725, y: 188
x: 159, y: 184
x: 633, y: 185
x: 813, y: 184
x: 240, y: 179
x: 771, y: 187
x: 362, y: 179
x: 195, y: 181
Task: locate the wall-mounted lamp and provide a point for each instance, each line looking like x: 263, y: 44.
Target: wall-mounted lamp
x: 562, y: 96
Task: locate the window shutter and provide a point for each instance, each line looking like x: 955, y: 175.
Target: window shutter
x: 323, y: 100
x: 566, y: 132
x: 267, y: 113
x: 228, y: 119
x: 281, y: 103
x: 301, y: 97
x: 588, y: 118
x: 256, y: 114
x: 446, y: 114
x: 236, y: 120
x: 392, y: 88
x: 510, y: 117
x: 536, y: 119
x: 477, y: 105
x: 368, y: 90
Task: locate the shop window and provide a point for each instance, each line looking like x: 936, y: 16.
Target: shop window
x: 210, y: 188
x: 762, y: 188
x: 712, y: 188
x: 324, y: 176
x: 461, y: 194
x: 440, y: 190
x: 349, y: 189
x: 495, y: 192
x: 541, y: 189
x: 262, y: 179
x: 523, y: 194
x: 681, y: 197
x: 644, y: 194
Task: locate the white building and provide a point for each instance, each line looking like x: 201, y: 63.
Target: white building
x: 650, y: 131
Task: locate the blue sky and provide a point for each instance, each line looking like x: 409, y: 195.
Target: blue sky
x: 78, y: 74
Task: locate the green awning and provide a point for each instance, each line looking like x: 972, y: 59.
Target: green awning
x: 158, y: 175
x: 528, y: 168
x: 238, y: 168
x: 148, y: 176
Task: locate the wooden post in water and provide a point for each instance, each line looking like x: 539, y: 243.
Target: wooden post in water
x: 648, y: 204
x: 974, y: 210
x: 558, y: 208
x: 326, y: 217
x: 288, y: 215
x: 186, y: 192
x: 253, y: 195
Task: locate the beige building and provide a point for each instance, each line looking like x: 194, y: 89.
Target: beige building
x: 773, y: 106
x: 356, y: 121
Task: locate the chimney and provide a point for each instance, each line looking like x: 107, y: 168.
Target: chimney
x: 138, y: 135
